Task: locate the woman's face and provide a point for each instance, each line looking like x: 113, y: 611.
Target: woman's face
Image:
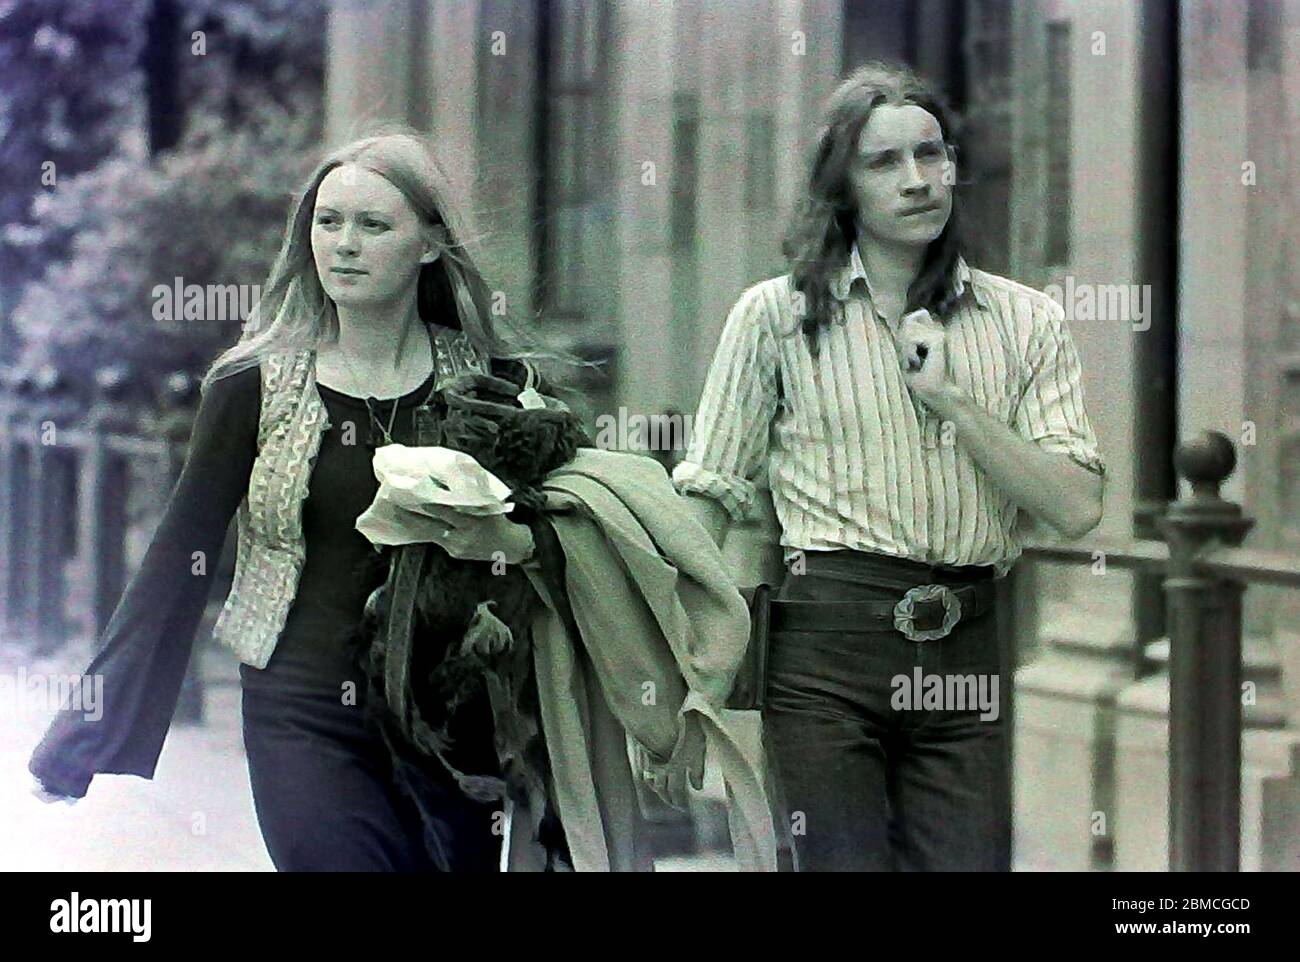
x: 902, y: 176
x: 366, y: 239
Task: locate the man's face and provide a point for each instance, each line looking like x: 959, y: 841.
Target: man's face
x: 902, y: 176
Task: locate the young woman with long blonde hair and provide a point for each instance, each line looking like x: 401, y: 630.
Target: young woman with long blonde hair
x: 373, y: 301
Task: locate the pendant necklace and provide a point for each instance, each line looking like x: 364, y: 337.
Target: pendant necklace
x: 392, y: 418
x: 371, y: 400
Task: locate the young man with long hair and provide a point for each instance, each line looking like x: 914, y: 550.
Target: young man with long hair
x: 912, y: 414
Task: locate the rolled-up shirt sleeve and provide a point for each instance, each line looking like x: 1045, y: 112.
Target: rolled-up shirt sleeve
x: 729, y: 437
x: 1051, y: 412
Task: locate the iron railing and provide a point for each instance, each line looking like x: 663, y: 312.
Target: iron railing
x: 1205, y: 572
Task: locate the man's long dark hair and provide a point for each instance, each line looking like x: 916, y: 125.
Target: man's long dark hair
x: 823, y: 228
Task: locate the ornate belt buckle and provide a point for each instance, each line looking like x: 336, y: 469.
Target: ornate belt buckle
x: 905, y: 612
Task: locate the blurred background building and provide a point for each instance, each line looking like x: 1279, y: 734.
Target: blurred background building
x: 630, y: 165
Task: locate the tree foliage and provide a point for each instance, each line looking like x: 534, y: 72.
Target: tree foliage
x: 210, y: 212
x: 118, y: 223
x: 70, y: 97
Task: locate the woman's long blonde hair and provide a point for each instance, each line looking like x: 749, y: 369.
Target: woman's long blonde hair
x: 294, y: 312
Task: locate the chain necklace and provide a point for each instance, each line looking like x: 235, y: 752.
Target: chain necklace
x: 392, y: 419
x: 371, y: 400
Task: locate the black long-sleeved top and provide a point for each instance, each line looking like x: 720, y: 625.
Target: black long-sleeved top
x: 149, y: 639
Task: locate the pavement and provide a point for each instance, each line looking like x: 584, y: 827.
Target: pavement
x: 196, y: 813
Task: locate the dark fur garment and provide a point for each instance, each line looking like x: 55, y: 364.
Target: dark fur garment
x: 473, y: 723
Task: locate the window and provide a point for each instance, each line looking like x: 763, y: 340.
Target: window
x: 1059, y: 65
x: 760, y: 137
x: 685, y: 170
x: 573, y: 193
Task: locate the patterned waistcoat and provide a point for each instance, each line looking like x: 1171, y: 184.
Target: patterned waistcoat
x: 271, y: 551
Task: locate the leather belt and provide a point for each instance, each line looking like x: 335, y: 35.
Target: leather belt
x: 923, y: 613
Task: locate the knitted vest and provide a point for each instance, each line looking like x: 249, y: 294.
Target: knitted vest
x: 271, y: 551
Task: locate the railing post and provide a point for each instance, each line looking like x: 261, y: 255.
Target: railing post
x: 18, y: 526
x: 8, y: 493
x: 104, y: 489
x: 1148, y: 590
x: 52, y: 505
x: 177, y: 401
x: 1204, y: 667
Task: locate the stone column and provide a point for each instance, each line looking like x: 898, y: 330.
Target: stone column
x: 506, y: 49
x: 643, y: 168
x: 372, y: 69
x: 720, y: 213
x: 795, y: 51
x: 1083, y: 66
x: 1236, y: 194
x: 454, y: 43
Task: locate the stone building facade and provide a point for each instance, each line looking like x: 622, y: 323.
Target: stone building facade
x: 631, y: 164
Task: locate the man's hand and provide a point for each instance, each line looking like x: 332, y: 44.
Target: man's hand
x: 1049, y: 486
x: 479, y: 537
x: 923, y: 356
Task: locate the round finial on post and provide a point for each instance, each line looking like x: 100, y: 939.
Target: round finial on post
x: 112, y: 381
x: 1206, y: 461
x: 48, y: 379
x: 178, y: 389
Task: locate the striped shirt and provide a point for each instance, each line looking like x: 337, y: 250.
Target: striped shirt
x: 852, y: 461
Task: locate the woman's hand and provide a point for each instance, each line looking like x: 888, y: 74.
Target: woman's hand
x: 45, y: 795
x: 482, y: 537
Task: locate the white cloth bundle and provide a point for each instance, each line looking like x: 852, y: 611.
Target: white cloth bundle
x: 411, y: 478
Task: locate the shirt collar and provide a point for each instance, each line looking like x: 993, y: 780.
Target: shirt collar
x: 842, y: 283
x: 964, y: 277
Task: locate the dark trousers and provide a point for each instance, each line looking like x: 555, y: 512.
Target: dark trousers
x: 868, y: 786
x: 325, y: 796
